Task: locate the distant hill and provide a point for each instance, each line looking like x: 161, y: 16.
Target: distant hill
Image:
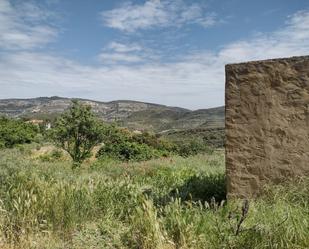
x: 131, y: 114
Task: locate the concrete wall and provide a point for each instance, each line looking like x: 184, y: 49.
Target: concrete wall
x: 267, y: 123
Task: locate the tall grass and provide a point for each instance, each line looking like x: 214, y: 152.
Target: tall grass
x: 163, y: 203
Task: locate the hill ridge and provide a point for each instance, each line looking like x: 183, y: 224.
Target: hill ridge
x: 128, y: 113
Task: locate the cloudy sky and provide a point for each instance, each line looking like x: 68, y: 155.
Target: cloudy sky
x: 170, y: 52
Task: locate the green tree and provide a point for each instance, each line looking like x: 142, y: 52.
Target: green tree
x: 78, y: 131
x: 14, y: 132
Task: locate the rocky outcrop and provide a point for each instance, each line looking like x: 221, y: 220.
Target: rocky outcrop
x: 267, y: 123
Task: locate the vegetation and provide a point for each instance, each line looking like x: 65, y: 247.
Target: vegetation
x: 123, y: 145
x: 191, y: 147
x: 77, y: 131
x: 170, y: 202
x: 128, y: 151
x: 178, y: 122
x: 213, y: 137
x: 14, y: 132
x: 142, y: 191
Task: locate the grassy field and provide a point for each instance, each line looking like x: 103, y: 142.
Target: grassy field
x: 164, y: 203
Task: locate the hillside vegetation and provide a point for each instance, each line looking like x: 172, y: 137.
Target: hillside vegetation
x: 78, y: 131
x: 168, y: 122
x: 164, y: 203
x: 105, y: 186
x: 130, y: 114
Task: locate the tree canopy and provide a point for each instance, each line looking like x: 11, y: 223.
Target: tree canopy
x: 14, y: 132
x: 78, y: 131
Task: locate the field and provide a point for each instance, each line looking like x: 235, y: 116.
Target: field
x: 163, y: 203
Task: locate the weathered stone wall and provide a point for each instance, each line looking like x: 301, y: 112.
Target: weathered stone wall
x: 267, y: 123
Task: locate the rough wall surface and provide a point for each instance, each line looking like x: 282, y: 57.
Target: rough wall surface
x: 267, y: 123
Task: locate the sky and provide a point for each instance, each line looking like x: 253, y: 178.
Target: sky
x: 170, y: 52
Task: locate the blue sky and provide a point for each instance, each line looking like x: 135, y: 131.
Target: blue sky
x: 170, y: 52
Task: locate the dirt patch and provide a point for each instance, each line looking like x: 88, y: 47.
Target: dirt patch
x: 46, y: 149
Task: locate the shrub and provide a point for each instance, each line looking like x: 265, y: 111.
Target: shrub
x: 154, y: 141
x: 13, y: 132
x: 123, y: 145
x: 128, y: 151
x: 192, y: 147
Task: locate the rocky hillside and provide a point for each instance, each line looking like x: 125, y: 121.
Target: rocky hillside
x: 132, y: 114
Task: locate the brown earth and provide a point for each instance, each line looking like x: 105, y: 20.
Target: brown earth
x: 46, y: 150
x: 267, y: 123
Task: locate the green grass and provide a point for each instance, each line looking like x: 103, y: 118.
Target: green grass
x: 162, y: 203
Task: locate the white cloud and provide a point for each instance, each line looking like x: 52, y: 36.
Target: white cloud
x: 21, y: 26
x: 194, y: 14
x: 183, y: 84
x: 116, y: 52
x: 196, y: 81
x: 123, y: 48
x: 291, y: 40
x: 118, y: 57
x: 155, y: 13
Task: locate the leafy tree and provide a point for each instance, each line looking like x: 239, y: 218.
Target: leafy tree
x: 78, y: 131
x: 14, y: 132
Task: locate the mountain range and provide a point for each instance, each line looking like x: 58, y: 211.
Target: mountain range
x: 171, y: 122
x: 127, y: 113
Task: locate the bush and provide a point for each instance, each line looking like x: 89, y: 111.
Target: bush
x: 13, y: 132
x: 121, y: 144
x: 154, y: 141
x: 128, y: 151
x: 191, y: 148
